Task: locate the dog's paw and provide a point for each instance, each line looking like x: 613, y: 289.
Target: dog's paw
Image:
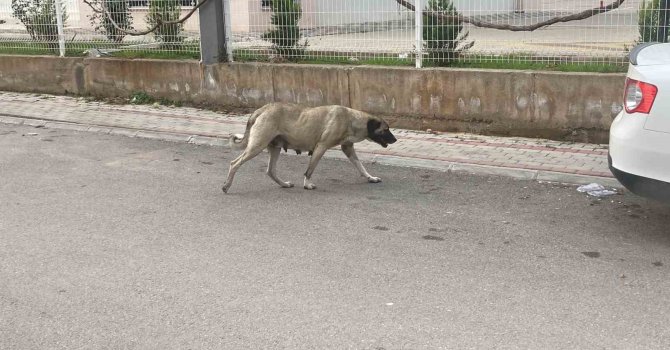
x: 287, y: 185
x: 374, y: 179
x: 224, y: 189
x: 310, y: 187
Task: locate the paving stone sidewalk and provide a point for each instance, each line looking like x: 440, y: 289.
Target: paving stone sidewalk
x: 532, y: 159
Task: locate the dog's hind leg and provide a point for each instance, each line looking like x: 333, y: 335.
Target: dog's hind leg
x: 349, y: 151
x: 316, y: 156
x: 272, y: 166
x: 251, y: 151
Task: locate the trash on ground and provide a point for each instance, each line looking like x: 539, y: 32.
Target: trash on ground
x: 596, y: 190
x: 602, y: 193
x: 590, y: 187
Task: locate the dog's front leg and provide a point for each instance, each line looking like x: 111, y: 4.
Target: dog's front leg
x: 316, y: 156
x: 349, y: 151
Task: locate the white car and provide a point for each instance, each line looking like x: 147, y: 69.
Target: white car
x: 639, y: 152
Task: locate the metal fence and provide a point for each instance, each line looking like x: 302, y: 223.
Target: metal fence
x: 344, y: 30
x: 363, y: 29
x: 35, y: 26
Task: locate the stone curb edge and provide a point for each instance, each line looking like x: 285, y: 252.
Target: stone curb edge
x: 520, y: 174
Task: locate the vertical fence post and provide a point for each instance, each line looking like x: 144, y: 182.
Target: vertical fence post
x: 212, y: 32
x: 59, y: 24
x: 418, y: 24
x: 228, y: 30
x: 518, y: 6
x: 663, y: 21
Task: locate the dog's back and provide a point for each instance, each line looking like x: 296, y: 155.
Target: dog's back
x: 299, y: 126
x: 272, y: 113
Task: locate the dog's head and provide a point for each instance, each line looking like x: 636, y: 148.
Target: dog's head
x: 378, y: 131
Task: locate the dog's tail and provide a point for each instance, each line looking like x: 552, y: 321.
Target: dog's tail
x: 239, y: 141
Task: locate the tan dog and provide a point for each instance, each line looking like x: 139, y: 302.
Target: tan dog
x: 289, y: 126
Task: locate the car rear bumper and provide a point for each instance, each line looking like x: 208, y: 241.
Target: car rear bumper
x: 637, y: 151
x: 642, y: 186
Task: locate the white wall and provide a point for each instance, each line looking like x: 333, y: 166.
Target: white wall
x: 330, y: 12
x: 484, y: 7
x: 248, y: 15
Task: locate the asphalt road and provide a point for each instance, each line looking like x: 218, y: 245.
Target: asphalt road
x: 109, y: 242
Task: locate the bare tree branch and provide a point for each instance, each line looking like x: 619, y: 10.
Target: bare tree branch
x: 529, y: 28
x: 159, y: 22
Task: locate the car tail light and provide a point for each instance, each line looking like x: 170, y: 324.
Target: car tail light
x: 638, y: 96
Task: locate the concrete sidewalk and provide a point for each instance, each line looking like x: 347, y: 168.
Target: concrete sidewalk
x: 522, y: 158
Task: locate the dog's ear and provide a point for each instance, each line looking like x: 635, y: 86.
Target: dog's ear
x: 374, y: 127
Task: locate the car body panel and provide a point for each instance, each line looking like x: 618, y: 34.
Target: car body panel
x: 640, y: 143
x: 651, y: 54
x: 638, y: 151
x: 659, y: 116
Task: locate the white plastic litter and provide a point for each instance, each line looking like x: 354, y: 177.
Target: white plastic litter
x: 596, y: 190
x: 602, y: 193
x: 590, y: 187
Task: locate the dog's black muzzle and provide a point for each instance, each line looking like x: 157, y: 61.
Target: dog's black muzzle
x: 387, y: 139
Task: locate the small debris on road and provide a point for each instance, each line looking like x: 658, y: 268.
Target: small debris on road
x: 592, y: 254
x: 596, y: 190
x: 432, y: 238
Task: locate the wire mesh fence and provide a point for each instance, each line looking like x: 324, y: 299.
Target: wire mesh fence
x: 383, y: 29
x: 344, y: 30
x: 31, y: 26
x: 324, y: 29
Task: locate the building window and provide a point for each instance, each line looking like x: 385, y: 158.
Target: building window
x: 145, y: 3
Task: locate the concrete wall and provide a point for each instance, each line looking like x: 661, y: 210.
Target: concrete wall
x: 573, y: 106
x: 577, y: 106
x: 52, y: 75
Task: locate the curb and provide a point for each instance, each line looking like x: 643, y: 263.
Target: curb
x: 437, y: 165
